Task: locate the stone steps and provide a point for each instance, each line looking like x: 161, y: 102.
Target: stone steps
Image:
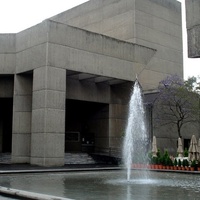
x: 5, y: 158
x: 70, y: 158
x: 78, y: 158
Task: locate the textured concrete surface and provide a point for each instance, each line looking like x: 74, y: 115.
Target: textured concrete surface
x: 152, y: 23
x: 193, y: 27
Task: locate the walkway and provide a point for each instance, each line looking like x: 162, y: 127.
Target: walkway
x: 73, y: 162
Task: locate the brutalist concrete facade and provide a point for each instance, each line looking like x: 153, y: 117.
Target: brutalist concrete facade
x: 193, y: 27
x: 73, y: 74
x: 151, y: 23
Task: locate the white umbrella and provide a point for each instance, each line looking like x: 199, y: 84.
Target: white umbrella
x: 154, y: 147
x: 180, y: 148
x: 193, y: 149
x: 198, y: 149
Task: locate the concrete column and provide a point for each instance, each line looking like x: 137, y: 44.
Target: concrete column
x: 48, y: 116
x: 117, y: 126
x: 22, y: 106
x: 118, y: 114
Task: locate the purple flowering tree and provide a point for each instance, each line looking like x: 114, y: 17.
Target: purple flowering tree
x: 175, y: 104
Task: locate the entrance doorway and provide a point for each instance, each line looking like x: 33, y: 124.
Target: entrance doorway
x: 83, y: 121
x: 6, y: 110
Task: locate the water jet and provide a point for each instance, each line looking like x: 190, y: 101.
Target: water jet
x: 135, y: 141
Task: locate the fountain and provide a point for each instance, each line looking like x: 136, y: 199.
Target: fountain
x: 135, y: 141
x: 106, y: 185
x: 110, y: 184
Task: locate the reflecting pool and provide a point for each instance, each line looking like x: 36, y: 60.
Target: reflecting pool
x: 108, y: 185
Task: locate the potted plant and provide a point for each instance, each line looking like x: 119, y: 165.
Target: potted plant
x: 186, y: 164
x: 193, y: 164
x: 171, y: 164
x: 166, y: 160
x: 175, y: 164
x: 179, y: 164
x: 159, y: 159
x: 154, y: 162
x: 160, y: 166
x: 198, y: 166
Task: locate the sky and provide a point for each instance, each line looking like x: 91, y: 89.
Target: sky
x: 17, y: 15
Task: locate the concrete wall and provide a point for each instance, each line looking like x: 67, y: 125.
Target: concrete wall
x: 193, y: 27
x: 31, y: 48
x: 158, y: 25
x: 7, y: 53
x: 152, y: 23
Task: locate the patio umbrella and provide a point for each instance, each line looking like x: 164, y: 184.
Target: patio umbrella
x: 193, y: 149
x: 198, y: 149
x: 154, y: 147
x: 180, y: 148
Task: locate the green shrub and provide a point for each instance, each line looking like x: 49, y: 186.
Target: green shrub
x: 184, y: 163
x: 193, y: 164
x: 185, y: 152
x: 175, y: 162
x: 179, y: 163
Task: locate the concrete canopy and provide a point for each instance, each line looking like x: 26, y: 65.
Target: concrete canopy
x: 55, y: 44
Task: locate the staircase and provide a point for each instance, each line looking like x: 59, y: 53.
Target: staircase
x: 70, y: 158
x: 78, y: 158
x: 5, y: 158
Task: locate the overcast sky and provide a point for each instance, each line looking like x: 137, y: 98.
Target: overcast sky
x: 17, y: 15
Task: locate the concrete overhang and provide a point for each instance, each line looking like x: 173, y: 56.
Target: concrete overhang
x: 93, y: 78
x: 85, y: 55
x: 96, y: 57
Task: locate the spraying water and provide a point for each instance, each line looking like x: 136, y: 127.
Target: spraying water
x: 135, y: 141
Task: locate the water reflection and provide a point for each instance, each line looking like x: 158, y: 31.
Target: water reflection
x: 108, y: 185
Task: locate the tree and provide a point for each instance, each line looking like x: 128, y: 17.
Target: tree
x: 176, y: 104
x: 193, y: 84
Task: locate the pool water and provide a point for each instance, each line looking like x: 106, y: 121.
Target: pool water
x: 108, y: 185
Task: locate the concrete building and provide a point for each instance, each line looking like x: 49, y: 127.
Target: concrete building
x: 193, y: 27
x: 65, y: 83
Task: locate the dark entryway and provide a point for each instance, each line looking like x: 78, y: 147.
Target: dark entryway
x: 6, y: 110
x: 81, y: 125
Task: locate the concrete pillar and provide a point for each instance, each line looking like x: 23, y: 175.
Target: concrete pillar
x: 117, y: 126
x: 48, y: 116
x: 118, y: 114
x: 22, y: 106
